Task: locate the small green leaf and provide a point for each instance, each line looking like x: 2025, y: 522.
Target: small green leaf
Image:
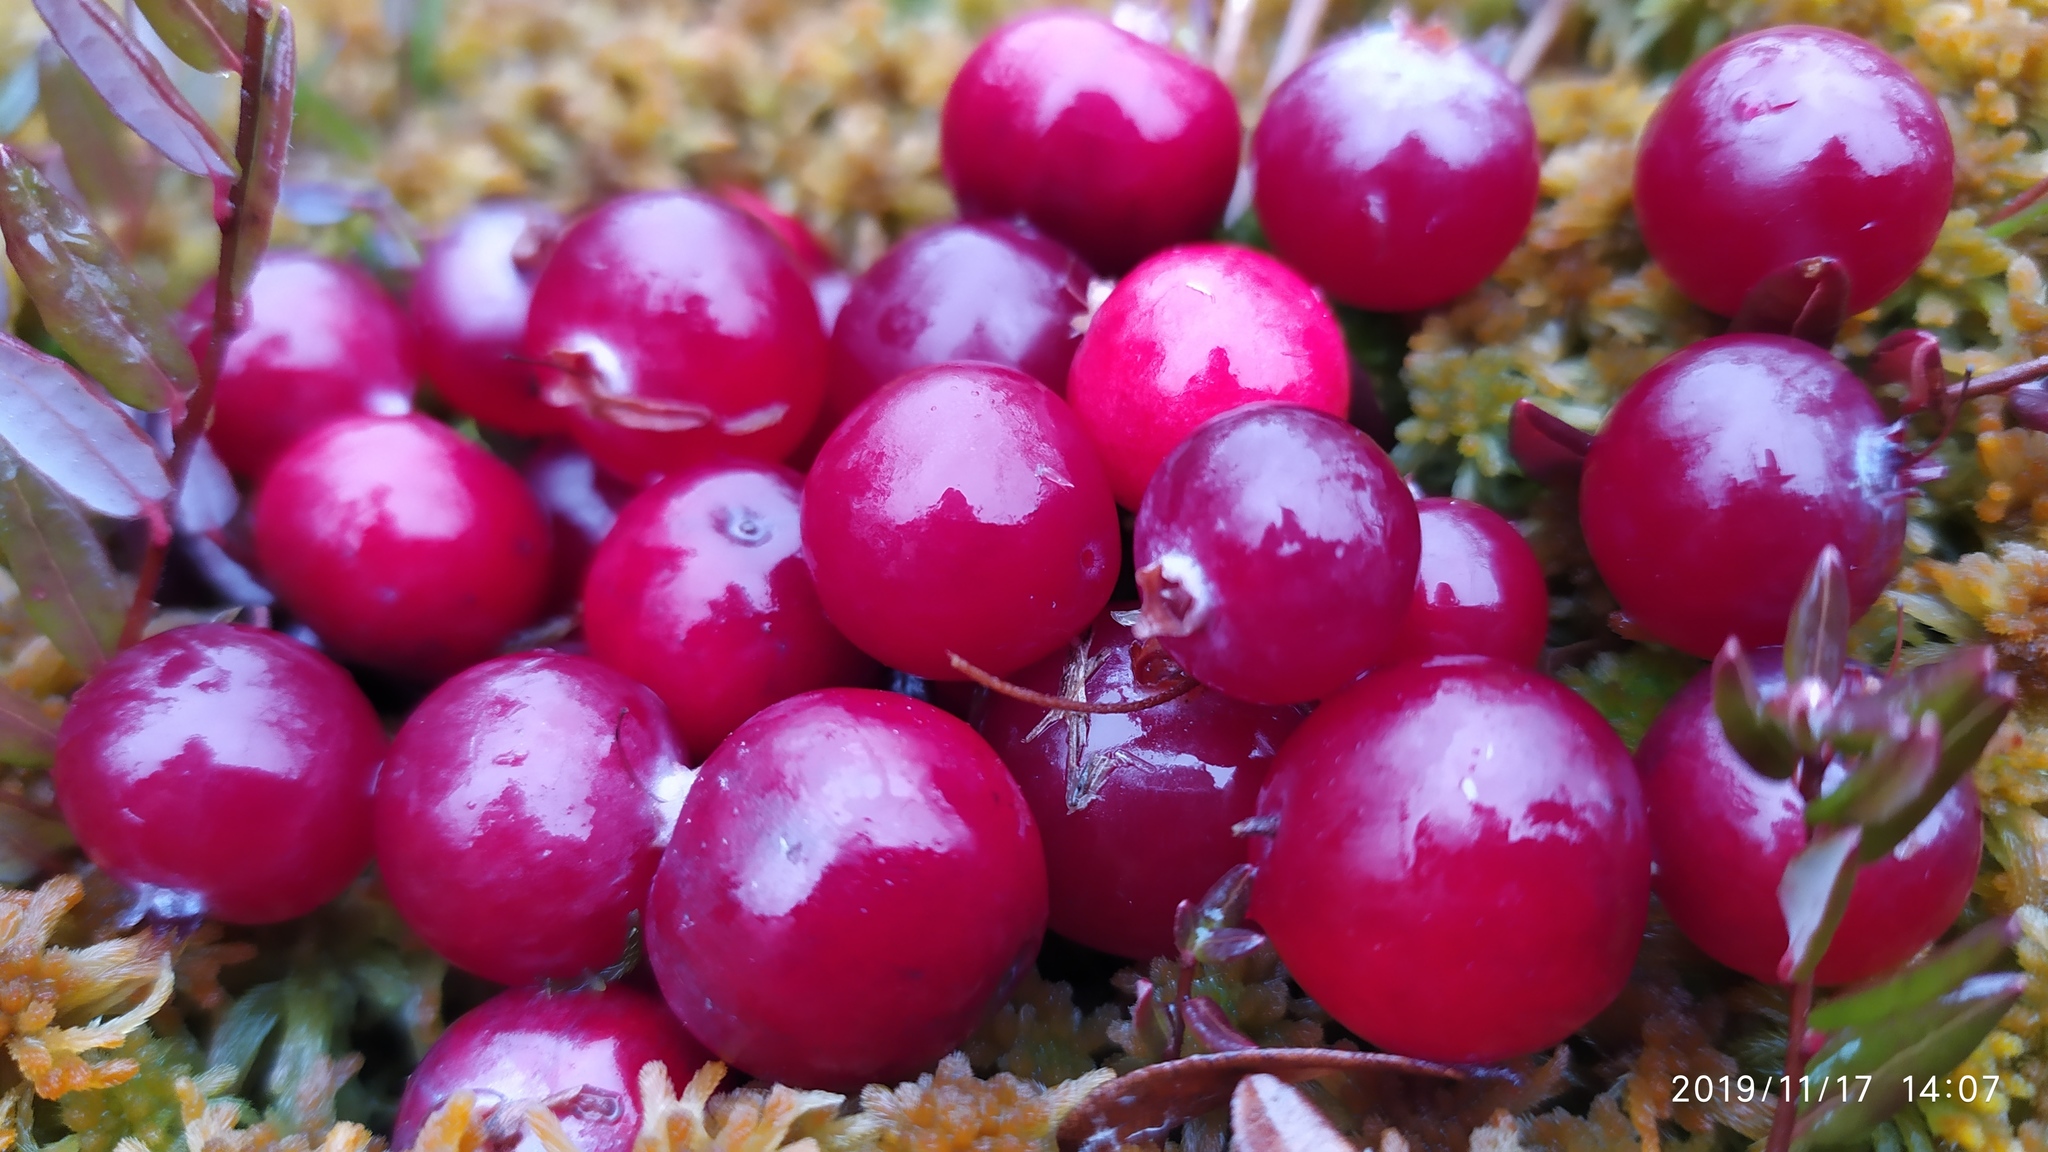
x: 19, y: 94
x: 239, y: 1036
x: 1813, y: 893
x: 1817, y: 636
x: 273, y: 140
x: 203, y: 33
x: 1930, y: 979
x: 1970, y: 718
x: 136, y: 87
x: 27, y: 734
x: 68, y: 585
x: 78, y: 442
x: 1748, y: 726
x: 1892, y: 778
x: 423, y: 46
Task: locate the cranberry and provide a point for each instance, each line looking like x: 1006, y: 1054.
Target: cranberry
x: 1192, y: 332
x: 403, y: 546
x: 531, y: 781
x: 1395, y: 168
x: 531, y: 1045
x: 223, y: 771
x: 1479, y: 590
x: 1461, y: 868
x: 470, y: 300
x: 701, y: 593
x: 319, y: 341
x: 581, y: 503
x: 682, y: 329
x: 960, y: 509
x: 1113, y: 145
x: 1721, y: 475
x: 1135, y: 809
x: 1723, y: 835
x: 854, y: 883
x: 1789, y: 144
x: 800, y: 242
x: 1277, y: 550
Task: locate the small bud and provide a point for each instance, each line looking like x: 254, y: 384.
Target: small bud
x: 1745, y: 721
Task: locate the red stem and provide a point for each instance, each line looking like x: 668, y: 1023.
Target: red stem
x: 2019, y: 203
x: 2003, y: 380
x: 995, y: 683
x: 1811, y: 771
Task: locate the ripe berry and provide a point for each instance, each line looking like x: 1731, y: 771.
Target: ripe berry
x: 1395, y: 168
x: 469, y: 301
x: 1135, y: 809
x: 802, y: 245
x: 1276, y: 550
x: 403, y: 546
x: 1479, y: 590
x: 960, y: 509
x: 701, y: 593
x: 680, y: 329
x: 1112, y: 145
x: 1723, y: 835
x: 1192, y: 332
x: 1721, y: 475
x: 1461, y: 869
x: 529, y: 1045
x: 319, y: 341
x: 1789, y: 144
x: 223, y: 771
x: 537, y: 781
x: 581, y: 502
x: 854, y: 883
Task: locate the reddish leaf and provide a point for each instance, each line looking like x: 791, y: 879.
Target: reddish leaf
x: 1911, y: 358
x: 1209, y: 1023
x: 95, y: 145
x: 1750, y: 728
x: 1548, y: 450
x: 80, y: 443
x: 68, y: 585
x: 27, y: 734
x: 1813, y: 894
x: 273, y: 139
x: 1808, y: 300
x: 1269, y: 1115
x: 135, y: 87
x: 1887, y: 781
x: 1817, y: 636
x: 203, y: 33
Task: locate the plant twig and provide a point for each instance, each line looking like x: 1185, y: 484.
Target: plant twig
x: 1536, y: 39
x: 2003, y: 380
x: 1812, y: 769
x: 995, y: 683
x: 1230, y: 36
x: 1297, y: 36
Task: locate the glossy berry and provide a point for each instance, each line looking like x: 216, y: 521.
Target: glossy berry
x: 1192, y: 332
x: 1395, y: 168
x: 1785, y: 145
x: 469, y: 303
x: 1721, y: 475
x: 1723, y: 835
x: 855, y: 882
x: 530, y: 1045
x: 1135, y: 809
x: 960, y: 509
x: 1461, y: 869
x: 1276, y: 551
x: 221, y: 770
x: 701, y: 593
x: 581, y: 502
x: 799, y: 241
x: 521, y: 814
x: 681, y: 329
x: 403, y: 546
x: 320, y: 341
x: 1479, y: 590
x: 1115, y: 146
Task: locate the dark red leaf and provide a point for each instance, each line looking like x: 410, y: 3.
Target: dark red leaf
x: 68, y: 586
x: 97, y: 152
x: 273, y: 140
x: 1911, y: 358
x: 1548, y: 450
x: 203, y: 33
x: 1817, y: 636
x: 1808, y: 300
x: 135, y: 86
x: 27, y: 734
x: 1739, y: 705
x: 79, y: 442
x: 1211, y: 1025
x: 1269, y: 1115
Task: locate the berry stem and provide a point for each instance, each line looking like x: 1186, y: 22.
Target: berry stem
x: 1811, y: 771
x: 2003, y: 380
x: 1297, y: 36
x: 994, y: 683
x: 1535, y: 40
x: 1230, y: 35
x: 2018, y: 213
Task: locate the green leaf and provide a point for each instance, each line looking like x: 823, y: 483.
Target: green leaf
x: 68, y: 585
x: 1937, y: 975
x: 239, y: 1037
x: 81, y: 444
x: 1972, y: 699
x: 19, y: 94
x: 136, y: 87
x: 95, y: 145
x: 273, y: 140
x: 203, y: 33
x: 1887, y: 781
x: 423, y: 46
x: 1817, y: 636
x: 1813, y: 894
x: 1748, y: 726
x: 88, y: 296
x: 27, y: 734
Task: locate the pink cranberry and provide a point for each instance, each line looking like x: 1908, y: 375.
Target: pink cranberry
x: 1190, y: 333
x: 1479, y: 590
x: 403, y: 546
x: 1426, y: 818
x: 1135, y: 809
x: 531, y: 1045
x: 469, y: 301
x: 223, y: 771
x: 701, y: 593
x: 855, y: 882
x: 581, y: 503
x: 1113, y: 145
x: 681, y: 329
x: 1723, y: 835
x: 960, y: 509
x: 799, y: 241
x: 320, y: 341
x: 537, y: 781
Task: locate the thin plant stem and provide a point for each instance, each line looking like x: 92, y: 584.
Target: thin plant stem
x: 1536, y: 40
x: 995, y: 683
x: 1230, y: 35
x: 2003, y: 380
x: 1811, y: 771
x: 1297, y: 36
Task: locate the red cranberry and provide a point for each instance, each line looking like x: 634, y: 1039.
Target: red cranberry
x: 1113, y: 145
x: 320, y: 341
x: 223, y: 771
x: 1723, y: 835
x: 470, y: 300
x: 701, y: 593
x: 1192, y: 332
x: 960, y: 509
x: 800, y: 242
x: 1135, y: 809
x: 581, y: 503
x: 854, y: 883
x: 1276, y: 550
x: 682, y: 330
x: 1721, y: 475
x: 1395, y: 168
x: 403, y: 546
x: 531, y: 1045
x: 1461, y: 870
x: 1479, y: 590
x: 531, y: 781
x: 1789, y: 144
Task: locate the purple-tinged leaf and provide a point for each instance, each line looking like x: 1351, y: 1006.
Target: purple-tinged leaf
x: 96, y: 147
x: 135, y: 86
x: 1808, y: 301
x: 82, y: 444
x: 68, y: 586
x: 2028, y: 404
x: 1548, y: 450
x: 273, y: 140
x: 1268, y: 1114
x: 1152, y: 1022
x: 1222, y: 906
x: 1812, y: 895
x: 1911, y: 359
x: 1211, y: 1026
x: 1817, y: 636
x: 1940, y: 973
x: 203, y: 33
x: 88, y: 296
x: 1963, y: 739
x: 1226, y: 945
x: 1750, y: 728
x: 1886, y: 782
x: 27, y: 734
